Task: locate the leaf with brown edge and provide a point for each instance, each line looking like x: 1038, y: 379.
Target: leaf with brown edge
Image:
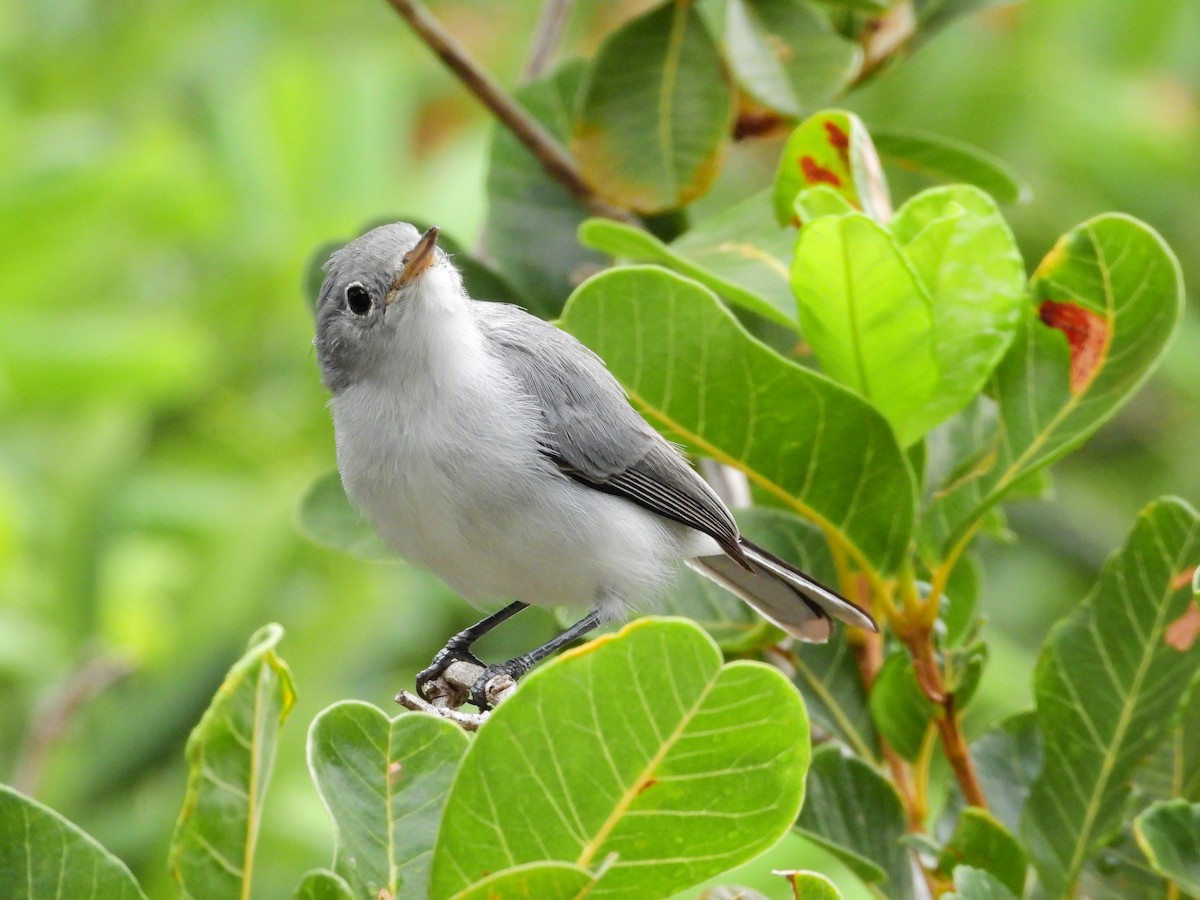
x: 1117, y: 293
x: 832, y: 148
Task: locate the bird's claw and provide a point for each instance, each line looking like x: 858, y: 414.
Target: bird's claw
x: 483, y: 690
x: 445, y: 658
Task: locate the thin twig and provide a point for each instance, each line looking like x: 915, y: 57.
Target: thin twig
x: 56, y: 716
x: 451, y: 690
x: 554, y: 159
x: 547, y: 35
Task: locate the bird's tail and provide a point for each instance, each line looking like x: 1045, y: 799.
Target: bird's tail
x: 782, y: 594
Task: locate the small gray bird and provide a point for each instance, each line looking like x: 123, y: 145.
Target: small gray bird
x: 498, y: 452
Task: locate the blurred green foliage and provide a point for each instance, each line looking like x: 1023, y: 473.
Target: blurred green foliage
x: 165, y: 172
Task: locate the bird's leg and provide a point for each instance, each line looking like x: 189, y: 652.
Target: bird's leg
x: 519, y: 665
x: 458, y: 648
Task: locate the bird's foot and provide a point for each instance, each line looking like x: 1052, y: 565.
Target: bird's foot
x: 497, y: 682
x: 430, y: 683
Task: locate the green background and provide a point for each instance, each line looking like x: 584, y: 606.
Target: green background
x: 165, y: 172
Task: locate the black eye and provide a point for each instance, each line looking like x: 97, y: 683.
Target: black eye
x: 358, y: 299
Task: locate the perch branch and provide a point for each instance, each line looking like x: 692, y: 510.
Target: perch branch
x: 554, y: 159
x: 451, y: 689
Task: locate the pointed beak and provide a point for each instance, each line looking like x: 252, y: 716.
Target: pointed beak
x: 416, y: 261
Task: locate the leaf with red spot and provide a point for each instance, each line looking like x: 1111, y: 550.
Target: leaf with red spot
x: 832, y: 148
x: 1103, y: 306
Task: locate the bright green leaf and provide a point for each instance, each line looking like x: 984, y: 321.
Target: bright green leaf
x: 45, y: 857
x: 1108, y: 298
x: 810, y: 885
x: 532, y: 881
x: 855, y: 813
x: 1107, y: 686
x: 1169, y: 835
x: 945, y: 159
x: 901, y: 711
x: 230, y: 755
x: 384, y: 782
x: 976, y: 884
x: 817, y: 201
x: 1008, y: 757
x: 982, y: 842
x: 809, y: 445
x: 321, y: 884
x: 531, y: 220
x: 786, y: 54
x: 869, y: 319
x: 326, y: 517
x: 655, y: 112
x: 740, y: 254
x: 832, y: 148
x: 639, y: 744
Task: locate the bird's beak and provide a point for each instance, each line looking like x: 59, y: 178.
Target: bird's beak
x: 416, y: 261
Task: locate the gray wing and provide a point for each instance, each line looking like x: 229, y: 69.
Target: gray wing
x: 592, y: 433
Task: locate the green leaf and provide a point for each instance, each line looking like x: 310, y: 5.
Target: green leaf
x: 321, y: 884
x: 901, y: 711
x: 655, y: 112
x: 868, y: 318
x: 945, y: 159
x: 531, y: 218
x: 981, y: 842
x: 230, y: 755
x: 1008, y: 758
x: 828, y: 677
x: 1169, y: 835
x: 384, y: 782
x: 810, y: 885
x: 832, y: 148
x: 807, y: 444
x: 786, y: 54
x: 1107, y: 686
x: 639, y: 744
x: 856, y: 814
x: 976, y: 884
x: 967, y: 259
x: 820, y: 200
x: 741, y: 254
x: 326, y: 517
x: 1111, y: 287
x: 532, y: 881
x: 43, y: 856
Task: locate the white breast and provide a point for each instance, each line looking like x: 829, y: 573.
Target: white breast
x: 440, y: 453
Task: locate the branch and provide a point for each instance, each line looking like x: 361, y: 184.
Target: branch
x: 554, y: 159
x: 552, y: 21
x: 452, y: 689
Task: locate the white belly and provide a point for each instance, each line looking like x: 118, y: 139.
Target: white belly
x: 453, y: 481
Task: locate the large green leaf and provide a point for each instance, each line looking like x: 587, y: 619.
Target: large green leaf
x: 832, y: 148
x: 230, y: 755
x: 983, y: 843
x: 806, y: 443
x: 327, y: 517
x: 384, y: 782
x: 741, y: 254
x: 786, y: 54
x: 1008, y: 758
x: 855, y: 812
x: 639, y: 750
x: 868, y: 318
x: 1169, y: 835
x: 945, y: 159
x: 532, y: 881
x: 1108, y: 298
x: 655, y: 113
x: 45, y: 857
x: 1107, y: 686
x: 531, y: 219
x: 828, y: 677
x: 901, y: 711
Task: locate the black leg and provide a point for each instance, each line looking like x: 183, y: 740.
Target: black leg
x: 458, y: 648
x: 519, y: 665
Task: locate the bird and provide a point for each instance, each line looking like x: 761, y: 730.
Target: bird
x: 494, y: 449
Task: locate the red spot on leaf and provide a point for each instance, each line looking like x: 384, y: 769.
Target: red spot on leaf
x: 395, y: 772
x: 1182, y: 633
x: 839, y: 140
x: 815, y: 173
x: 1087, y: 338
x: 1184, y: 578
x: 646, y: 785
x: 757, y: 123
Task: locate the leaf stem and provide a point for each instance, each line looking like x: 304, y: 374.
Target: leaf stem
x: 552, y: 21
x: 554, y: 159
